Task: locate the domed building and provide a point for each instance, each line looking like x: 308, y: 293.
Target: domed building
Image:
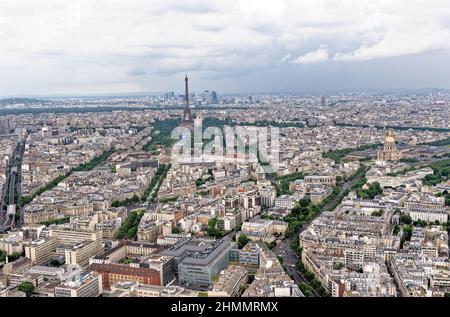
x: 389, y: 152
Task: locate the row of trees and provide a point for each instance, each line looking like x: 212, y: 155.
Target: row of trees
x: 24, y: 200
x: 401, y: 172
x: 305, y: 211
x: 359, y: 174
x: 126, y: 202
x: 94, y: 162
x: 405, y: 219
x: 359, y: 184
x: 394, y: 127
x: 409, y: 160
x: 4, y: 112
x: 11, y: 258
x: 443, y: 142
x: 314, y: 284
x: 57, y: 221
x: 152, y: 190
x: 168, y: 199
x: 338, y: 155
x: 128, y: 230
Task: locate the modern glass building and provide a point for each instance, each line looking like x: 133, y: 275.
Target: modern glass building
x: 200, y: 260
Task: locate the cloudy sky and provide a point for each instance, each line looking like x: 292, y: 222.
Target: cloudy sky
x: 116, y: 46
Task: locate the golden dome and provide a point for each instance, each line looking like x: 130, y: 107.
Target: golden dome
x: 390, y: 136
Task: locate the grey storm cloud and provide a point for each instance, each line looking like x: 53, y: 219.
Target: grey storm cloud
x: 110, y: 45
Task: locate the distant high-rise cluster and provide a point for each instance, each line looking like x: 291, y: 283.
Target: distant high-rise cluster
x: 4, y: 126
x: 169, y: 95
x: 208, y: 97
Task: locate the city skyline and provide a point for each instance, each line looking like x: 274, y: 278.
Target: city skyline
x: 233, y: 47
x: 277, y: 196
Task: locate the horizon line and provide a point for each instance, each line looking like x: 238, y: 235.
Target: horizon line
x: 156, y: 93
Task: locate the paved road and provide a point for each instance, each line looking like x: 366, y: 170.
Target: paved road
x: 290, y: 259
x: 11, y: 191
x: 12, y: 186
x: 5, y: 222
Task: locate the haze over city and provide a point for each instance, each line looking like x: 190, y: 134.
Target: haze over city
x: 56, y: 47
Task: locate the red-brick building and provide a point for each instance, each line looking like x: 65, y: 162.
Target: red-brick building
x: 112, y: 273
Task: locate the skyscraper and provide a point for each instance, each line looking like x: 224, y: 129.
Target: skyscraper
x: 322, y: 101
x: 187, y: 117
x: 214, y: 99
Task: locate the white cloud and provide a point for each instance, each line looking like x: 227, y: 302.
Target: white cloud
x: 400, y: 43
x: 319, y: 55
x: 286, y: 57
x: 163, y: 37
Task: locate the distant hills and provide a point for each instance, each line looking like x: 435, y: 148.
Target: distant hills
x: 20, y: 100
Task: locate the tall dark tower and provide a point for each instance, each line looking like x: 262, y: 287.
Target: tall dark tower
x: 187, y: 117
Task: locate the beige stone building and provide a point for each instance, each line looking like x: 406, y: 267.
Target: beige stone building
x: 389, y: 152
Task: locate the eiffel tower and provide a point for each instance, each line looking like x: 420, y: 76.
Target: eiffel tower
x: 187, y: 121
